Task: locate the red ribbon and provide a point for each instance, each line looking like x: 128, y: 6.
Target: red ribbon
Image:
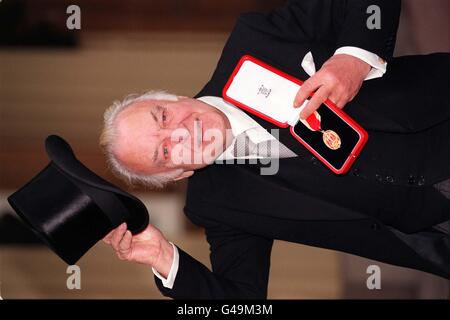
x: 313, y: 122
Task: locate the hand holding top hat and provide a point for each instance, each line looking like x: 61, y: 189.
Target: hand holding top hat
x: 71, y: 208
x: 149, y: 247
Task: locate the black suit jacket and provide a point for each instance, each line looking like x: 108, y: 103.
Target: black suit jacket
x: 383, y: 209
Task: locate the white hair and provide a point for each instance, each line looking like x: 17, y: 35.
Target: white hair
x: 109, y: 134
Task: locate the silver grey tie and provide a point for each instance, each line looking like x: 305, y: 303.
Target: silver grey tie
x: 269, y: 149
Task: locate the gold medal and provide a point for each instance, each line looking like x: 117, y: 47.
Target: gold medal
x: 330, y: 138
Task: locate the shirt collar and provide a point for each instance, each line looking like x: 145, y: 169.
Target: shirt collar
x: 239, y: 120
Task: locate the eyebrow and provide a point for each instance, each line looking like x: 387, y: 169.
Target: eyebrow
x: 155, y: 153
x: 153, y: 115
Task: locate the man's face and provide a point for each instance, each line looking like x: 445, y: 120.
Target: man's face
x: 154, y: 136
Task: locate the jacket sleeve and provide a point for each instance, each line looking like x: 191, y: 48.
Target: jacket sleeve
x: 240, y: 267
x: 355, y: 31
x: 338, y: 23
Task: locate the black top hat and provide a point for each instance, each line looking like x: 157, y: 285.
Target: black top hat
x: 71, y: 208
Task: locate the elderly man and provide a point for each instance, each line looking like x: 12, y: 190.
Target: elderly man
x: 390, y: 207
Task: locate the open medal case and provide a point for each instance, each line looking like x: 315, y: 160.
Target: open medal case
x: 329, y: 133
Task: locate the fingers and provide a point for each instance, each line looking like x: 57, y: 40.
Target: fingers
x: 120, y: 239
x: 341, y: 75
x: 339, y: 99
x: 118, y: 235
x: 305, y: 91
x: 341, y: 103
x: 125, y: 246
x: 107, y: 238
x: 125, y: 243
x: 320, y: 96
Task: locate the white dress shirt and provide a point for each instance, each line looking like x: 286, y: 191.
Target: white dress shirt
x: 241, y: 122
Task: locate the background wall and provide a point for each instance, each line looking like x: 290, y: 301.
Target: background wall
x: 55, y: 81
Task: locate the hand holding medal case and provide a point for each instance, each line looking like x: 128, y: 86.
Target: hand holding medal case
x: 329, y: 133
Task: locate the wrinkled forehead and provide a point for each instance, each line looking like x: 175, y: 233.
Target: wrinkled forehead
x: 137, y: 107
x: 134, y: 116
x: 134, y: 139
x: 141, y: 113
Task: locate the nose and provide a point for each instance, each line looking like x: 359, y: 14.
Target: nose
x: 179, y: 134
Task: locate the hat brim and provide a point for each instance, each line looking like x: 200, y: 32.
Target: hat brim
x: 62, y: 155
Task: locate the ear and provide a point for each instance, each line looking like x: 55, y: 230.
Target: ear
x: 185, y: 174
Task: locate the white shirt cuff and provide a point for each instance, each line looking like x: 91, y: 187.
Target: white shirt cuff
x: 168, y: 283
x: 377, y: 63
